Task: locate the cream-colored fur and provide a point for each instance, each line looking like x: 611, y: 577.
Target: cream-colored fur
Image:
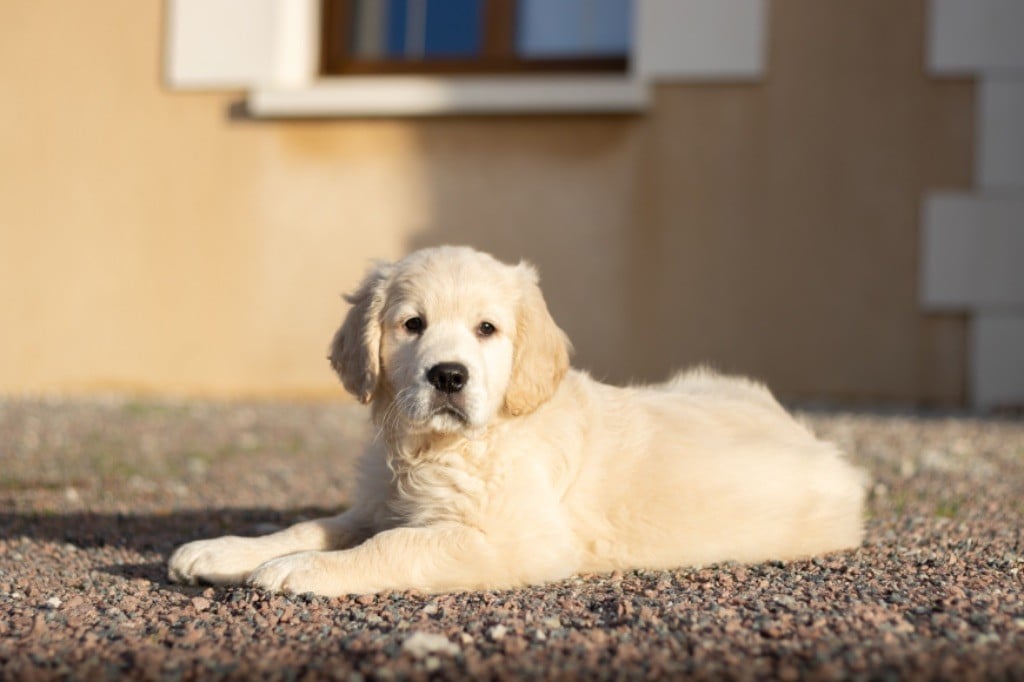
x: 533, y: 471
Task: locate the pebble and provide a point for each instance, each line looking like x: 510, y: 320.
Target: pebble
x: 420, y: 644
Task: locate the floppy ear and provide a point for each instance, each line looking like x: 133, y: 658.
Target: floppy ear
x: 541, y: 351
x: 355, y: 350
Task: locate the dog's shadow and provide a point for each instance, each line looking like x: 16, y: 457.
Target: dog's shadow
x: 152, y: 534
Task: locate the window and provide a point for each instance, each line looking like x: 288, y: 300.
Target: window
x: 475, y: 36
x: 336, y: 57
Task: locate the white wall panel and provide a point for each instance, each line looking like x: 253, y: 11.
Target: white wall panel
x: 997, y: 359
x: 973, y: 252
x: 1000, y: 141
x: 970, y: 36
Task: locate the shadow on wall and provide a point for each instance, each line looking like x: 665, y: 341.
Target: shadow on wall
x: 765, y: 228
x: 560, y: 197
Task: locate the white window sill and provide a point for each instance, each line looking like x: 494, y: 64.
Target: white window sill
x: 363, y: 96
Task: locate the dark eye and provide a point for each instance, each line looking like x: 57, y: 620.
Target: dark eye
x: 485, y: 329
x: 415, y: 325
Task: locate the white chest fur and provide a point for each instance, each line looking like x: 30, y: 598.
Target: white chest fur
x: 450, y: 484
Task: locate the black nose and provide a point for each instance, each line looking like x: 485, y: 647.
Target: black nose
x: 448, y: 377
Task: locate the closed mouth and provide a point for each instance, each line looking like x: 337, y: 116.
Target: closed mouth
x: 452, y: 411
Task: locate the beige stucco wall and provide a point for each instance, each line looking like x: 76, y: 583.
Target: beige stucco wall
x: 150, y: 242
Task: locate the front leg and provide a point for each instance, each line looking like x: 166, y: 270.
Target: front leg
x: 430, y: 559
x: 228, y: 560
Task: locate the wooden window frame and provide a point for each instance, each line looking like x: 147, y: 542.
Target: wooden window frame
x: 497, y: 54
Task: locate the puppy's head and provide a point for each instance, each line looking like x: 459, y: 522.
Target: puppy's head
x: 448, y: 339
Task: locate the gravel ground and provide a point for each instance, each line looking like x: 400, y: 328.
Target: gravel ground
x: 94, y: 495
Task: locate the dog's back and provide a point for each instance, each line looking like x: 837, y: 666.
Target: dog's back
x: 715, y: 471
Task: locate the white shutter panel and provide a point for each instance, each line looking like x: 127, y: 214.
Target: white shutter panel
x: 241, y: 44
x: 700, y: 39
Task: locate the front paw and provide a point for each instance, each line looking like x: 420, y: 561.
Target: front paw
x: 221, y: 561
x: 295, y: 573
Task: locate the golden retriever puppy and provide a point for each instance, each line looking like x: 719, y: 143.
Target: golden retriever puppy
x: 497, y: 465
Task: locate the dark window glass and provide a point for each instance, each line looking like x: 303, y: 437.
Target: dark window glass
x: 474, y: 36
